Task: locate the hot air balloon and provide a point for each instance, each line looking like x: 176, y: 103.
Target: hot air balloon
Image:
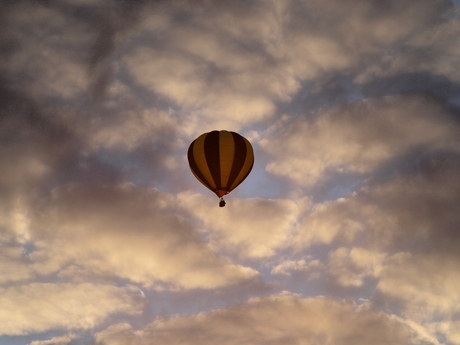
x: 221, y: 160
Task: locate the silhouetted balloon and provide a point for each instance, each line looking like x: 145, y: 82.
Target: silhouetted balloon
x: 221, y: 160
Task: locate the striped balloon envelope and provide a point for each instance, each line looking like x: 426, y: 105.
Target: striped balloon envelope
x: 221, y: 160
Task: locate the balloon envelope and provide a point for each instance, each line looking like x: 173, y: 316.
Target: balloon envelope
x: 221, y: 160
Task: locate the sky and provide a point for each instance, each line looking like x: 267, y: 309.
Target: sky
x: 345, y: 232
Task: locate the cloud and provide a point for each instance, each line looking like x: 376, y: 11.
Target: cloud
x: 66, y: 49
x: 311, y: 267
x: 44, y: 225
x: 64, y: 340
x: 34, y: 140
x: 231, y: 68
x: 352, y: 109
x: 407, y: 208
x: 348, y: 140
x: 127, y: 131
x: 450, y: 329
x: 351, y: 266
x: 317, y: 38
x: 432, y: 50
x: 217, y: 95
x: 249, y: 228
x: 39, y: 307
x: 48, y: 57
x: 129, y: 233
x: 280, y: 319
x: 404, y: 229
x: 423, y: 286
x: 13, y: 264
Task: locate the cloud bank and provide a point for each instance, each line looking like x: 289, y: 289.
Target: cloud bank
x: 345, y: 232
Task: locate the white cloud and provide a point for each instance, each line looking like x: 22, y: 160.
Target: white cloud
x: 358, y: 138
x: 249, y: 228
x: 425, y: 286
x: 397, y: 214
x: 39, y: 307
x: 351, y: 266
x: 210, y: 102
x: 311, y: 267
x: 126, y: 131
x: 451, y: 330
x: 13, y: 264
x: 63, y: 340
x: 282, y: 319
x: 209, y: 67
x: 333, y: 221
x: 402, y: 233
x: 130, y: 233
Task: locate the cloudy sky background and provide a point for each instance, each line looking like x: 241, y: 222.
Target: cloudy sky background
x: 347, y: 230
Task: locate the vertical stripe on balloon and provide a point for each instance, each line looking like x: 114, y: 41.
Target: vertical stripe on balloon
x: 211, y: 152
